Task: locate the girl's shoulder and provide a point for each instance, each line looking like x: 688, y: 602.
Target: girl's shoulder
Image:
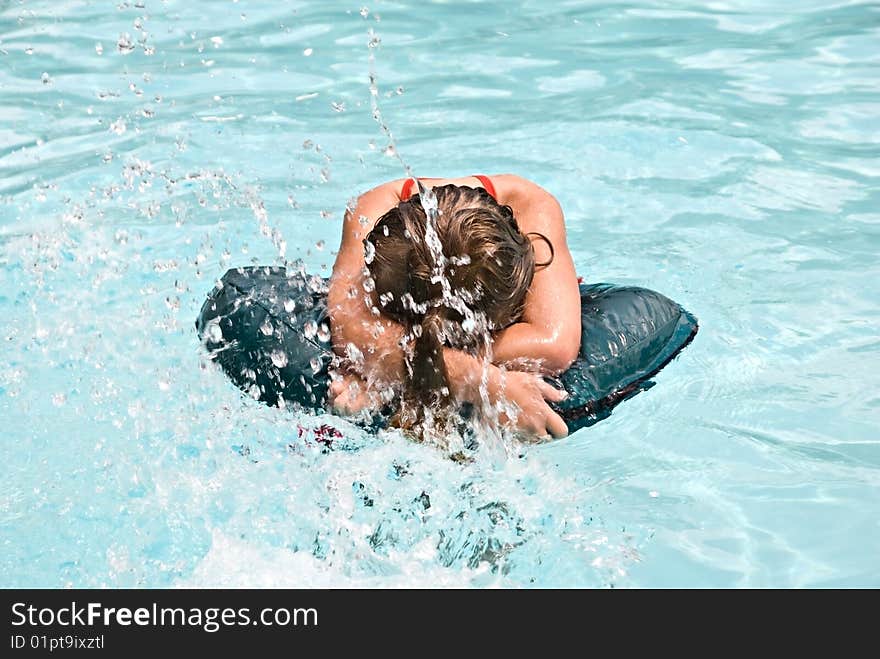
x: 533, y: 206
x: 518, y: 189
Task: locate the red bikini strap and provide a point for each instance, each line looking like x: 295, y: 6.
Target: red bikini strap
x: 406, y: 189
x: 487, y: 183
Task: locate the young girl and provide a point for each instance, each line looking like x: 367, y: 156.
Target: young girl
x: 407, y: 323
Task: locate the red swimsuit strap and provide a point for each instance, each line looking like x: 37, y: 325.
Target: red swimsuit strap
x: 487, y: 183
x: 406, y: 188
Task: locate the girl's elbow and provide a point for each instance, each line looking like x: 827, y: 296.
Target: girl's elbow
x: 561, y: 357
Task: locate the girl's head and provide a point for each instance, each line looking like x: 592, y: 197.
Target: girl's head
x: 478, y: 284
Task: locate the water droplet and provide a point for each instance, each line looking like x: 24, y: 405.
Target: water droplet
x: 118, y: 126
x: 28, y: 51
x: 316, y: 364
x: 390, y: 151
x: 217, y: 41
x: 125, y: 45
x: 279, y: 358
x: 266, y: 328
x: 289, y: 306
x: 369, y: 284
x: 354, y: 354
x: 338, y: 107
x: 215, y: 334
x: 369, y: 252
x: 46, y: 79
x: 310, y: 329
x: 165, y: 266
x: 308, y: 52
x: 320, y: 245
x: 59, y: 399
x: 323, y: 333
x: 364, y: 12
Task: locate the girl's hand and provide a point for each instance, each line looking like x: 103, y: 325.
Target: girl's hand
x: 348, y: 395
x: 529, y: 393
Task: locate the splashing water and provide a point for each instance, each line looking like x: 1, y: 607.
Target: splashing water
x: 485, y: 425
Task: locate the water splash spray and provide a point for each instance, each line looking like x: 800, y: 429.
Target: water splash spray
x: 487, y: 424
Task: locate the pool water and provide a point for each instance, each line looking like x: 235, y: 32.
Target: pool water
x: 724, y: 153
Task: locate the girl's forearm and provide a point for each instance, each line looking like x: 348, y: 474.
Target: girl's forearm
x: 369, y: 345
x: 380, y: 361
x: 372, y: 349
x: 467, y: 375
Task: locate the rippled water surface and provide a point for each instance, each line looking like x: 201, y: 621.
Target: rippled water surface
x: 724, y: 153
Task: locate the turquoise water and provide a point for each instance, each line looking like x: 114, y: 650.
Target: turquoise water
x: 722, y: 153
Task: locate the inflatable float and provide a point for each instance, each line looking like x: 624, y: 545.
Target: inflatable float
x: 269, y: 330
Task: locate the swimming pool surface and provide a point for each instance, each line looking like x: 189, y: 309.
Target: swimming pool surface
x: 723, y: 153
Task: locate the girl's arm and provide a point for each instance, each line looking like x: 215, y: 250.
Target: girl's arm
x: 550, y: 330
x: 370, y: 342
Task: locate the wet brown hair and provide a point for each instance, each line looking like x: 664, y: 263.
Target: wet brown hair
x: 488, y: 269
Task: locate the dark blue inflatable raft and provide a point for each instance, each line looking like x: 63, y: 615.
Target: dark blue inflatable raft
x: 269, y: 330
